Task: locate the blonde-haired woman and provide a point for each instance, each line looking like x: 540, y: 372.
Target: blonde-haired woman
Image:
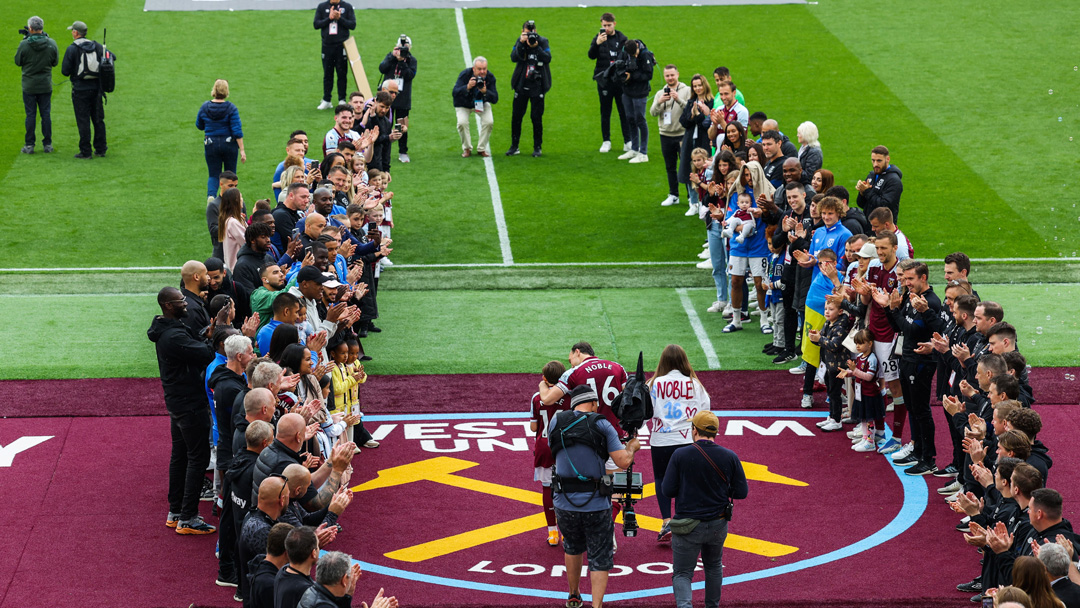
x: 810, y: 156
x: 224, y: 139
x: 677, y: 395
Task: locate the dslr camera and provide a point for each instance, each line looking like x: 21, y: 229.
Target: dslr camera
x: 25, y: 32
x: 531, y: 36
x: 402, y: 46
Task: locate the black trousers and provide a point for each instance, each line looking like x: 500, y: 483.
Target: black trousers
x: 89, y: 110
x: 791, y: 316
x: 607, y: 98
x: 915, y: 383
x: 35, y: 103
x: 670, y: 148
x: 334, y: 59
x: 188, y: 461
x: 227, y: 532
x: 403, y: 143
x: 536, y: 114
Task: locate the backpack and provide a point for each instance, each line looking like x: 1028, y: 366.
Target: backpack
x: 89, y: 62
x: 107, y: 71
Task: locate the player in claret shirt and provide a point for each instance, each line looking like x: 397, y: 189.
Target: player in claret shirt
x: 606, y: 378
x: 543, y: 460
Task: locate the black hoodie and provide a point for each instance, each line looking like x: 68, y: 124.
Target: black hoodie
x: 262, y: 578
x: 884, y: 191
x: 226, y: 385
x: 247, y: 271
x: 1040, y: 459
x: 182, y: 360
x: 1022, y: 545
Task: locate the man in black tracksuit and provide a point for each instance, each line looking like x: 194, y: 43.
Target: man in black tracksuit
x: 237, y: 494
x: 605, y: 48
x: 916, y: 316
x: 883, y: 186
x: 87, y: 98
x: 182, y: 359
x: 796, y: 279
x: 334, y: 19
x: 531, y: 81
x: 400, y: 65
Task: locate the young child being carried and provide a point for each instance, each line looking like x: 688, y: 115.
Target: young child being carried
x: 543, y: 460
x: 869, y: 406
x: 741, y: 221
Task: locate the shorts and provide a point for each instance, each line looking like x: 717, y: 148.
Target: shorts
x: 739, y: 266
x: 591, y: 532
x: 888, y: 363
x: 543, y: 475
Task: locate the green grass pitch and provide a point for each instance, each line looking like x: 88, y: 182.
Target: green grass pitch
x: 960, y: 92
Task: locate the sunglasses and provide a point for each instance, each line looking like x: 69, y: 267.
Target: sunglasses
x: 284, y: 487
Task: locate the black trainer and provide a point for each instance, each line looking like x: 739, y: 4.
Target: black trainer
x: 207, y: 493
x: 785, y: 357
x: 81, y: 156
x: 970, y: 587
x: 372, y: 328
x: 536, y: 152
x: 949, y: 471
x: 513, y: 151
x: 227, y: 579
x: 920, y: 469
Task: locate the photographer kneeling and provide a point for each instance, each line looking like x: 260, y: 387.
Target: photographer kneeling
x: 703, y: 477
x: 582, y: 440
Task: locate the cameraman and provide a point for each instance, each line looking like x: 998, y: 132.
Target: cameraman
x: 475, y: 91
x: 605, y: 48
x: 581, y: 441
x: 704, y: 478
x: 400, y: 66
x: 636, y: 64
x: 37, y: 55
x: 530, y: 81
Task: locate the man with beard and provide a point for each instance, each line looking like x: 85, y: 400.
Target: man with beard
x: 324, y: 202
x: 262, y: 299
x: 221, y: 282
x: 182, y: 356
x: 194, y: 287
x: 253, y: 256
x: 288, y: 213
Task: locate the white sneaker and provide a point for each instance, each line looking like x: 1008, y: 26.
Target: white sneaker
x: 717, y: 306
x: 952, y: 488
x: 808, y: 402
x: 704, y: 255
x: 386, y: 262
x: 706, y: 245
x: 626, y: 147
x: 693, y: 210
x: 822, y: 423
x: 403, y: 158
x: 889, y: 408
x: 324, y: 105
x: 799, y: 369
x: 857, y: 432
x: 831, y: 426
x: 605, y: 147
x: 640, y: 158
x: 669, y: 201
x: 371, y: 444
x: 905, y: 451
x: 627, y: 155
x: 864, y: 446
x: 341, y: 102
x: 728, y: 310
x: 954, y: 497
x: 705, y: 265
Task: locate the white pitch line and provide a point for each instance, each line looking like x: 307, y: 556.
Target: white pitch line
x: 489, y: 166
x: 699, y: 329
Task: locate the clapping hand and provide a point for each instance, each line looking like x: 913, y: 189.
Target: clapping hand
x: 961, y: 352
x: 976, y: 536
x: 918, y: 302
x: 924, y: 348
x: 326, y: 534
x: 967, y: 390
x: 250, y: 326
x: 814, y: 335
x: 999, y: 538
x: 952, y: 405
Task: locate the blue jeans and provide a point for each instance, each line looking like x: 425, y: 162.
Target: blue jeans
x: 707, y: 539
x: 38, y: 103
x: 635, y: 120
x: 718, y: 255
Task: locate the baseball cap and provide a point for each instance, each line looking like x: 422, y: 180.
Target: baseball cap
x: 868, y: 250
x: 331, y: 281
x: 310, y: 273
x: 706, y: 422
x: 78, y: 26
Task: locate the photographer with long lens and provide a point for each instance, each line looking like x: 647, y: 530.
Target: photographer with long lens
x: 704, y: 478
x: 399, y: 65
x: 582, y: 440
x: 531, y: 81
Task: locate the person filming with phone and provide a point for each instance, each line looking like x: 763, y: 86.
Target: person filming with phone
x: 581, y: 441
x: 704, y: 477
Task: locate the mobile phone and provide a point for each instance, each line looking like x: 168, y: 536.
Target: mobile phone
x: 397, y: 127
x: 312, y: 165
x: 372, y: 226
